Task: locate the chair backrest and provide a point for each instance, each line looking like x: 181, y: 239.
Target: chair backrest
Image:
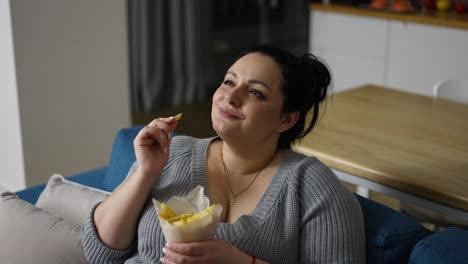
x: 452, y: 89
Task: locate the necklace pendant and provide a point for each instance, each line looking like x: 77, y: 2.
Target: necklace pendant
x: 232, y: 201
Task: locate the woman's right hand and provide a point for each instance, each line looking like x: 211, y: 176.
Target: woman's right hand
x: 116, y: 218
x: 152, y: 145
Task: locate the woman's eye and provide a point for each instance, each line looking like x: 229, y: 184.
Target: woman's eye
x: 228, y: 83
x: 257, y: 93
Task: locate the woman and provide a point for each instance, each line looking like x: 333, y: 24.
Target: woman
x: 279, y: 206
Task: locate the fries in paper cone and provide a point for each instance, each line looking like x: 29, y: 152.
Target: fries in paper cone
x: 189, y: 218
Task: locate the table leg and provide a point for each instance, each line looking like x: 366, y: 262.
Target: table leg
x: 364, y: 192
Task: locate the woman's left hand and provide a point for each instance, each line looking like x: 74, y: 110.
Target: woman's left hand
x: 210, y: 251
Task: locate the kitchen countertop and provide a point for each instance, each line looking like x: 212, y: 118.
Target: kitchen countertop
x: 448, y: 19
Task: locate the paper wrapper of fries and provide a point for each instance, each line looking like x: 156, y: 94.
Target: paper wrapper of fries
x: 189, y: 218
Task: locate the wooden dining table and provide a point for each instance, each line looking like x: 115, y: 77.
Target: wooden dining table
x: 409, y: 146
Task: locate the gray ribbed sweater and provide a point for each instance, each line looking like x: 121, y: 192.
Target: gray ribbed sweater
x: 305, y: 215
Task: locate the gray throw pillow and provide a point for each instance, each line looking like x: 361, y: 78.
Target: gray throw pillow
x: 31, y: 235
x: 70, y: 200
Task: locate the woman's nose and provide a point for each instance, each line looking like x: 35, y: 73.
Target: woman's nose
x: 234, y: 96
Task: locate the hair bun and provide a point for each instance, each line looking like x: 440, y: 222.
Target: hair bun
x: 316, y: 76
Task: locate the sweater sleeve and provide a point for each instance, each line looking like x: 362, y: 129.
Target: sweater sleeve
x: 95, y: 250
x: 332, y: 229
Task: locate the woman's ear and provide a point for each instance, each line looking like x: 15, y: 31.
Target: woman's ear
x: 288, y: 120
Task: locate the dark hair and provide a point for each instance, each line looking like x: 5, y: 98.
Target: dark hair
x: 306, y: 81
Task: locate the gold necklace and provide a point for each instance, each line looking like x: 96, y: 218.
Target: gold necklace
x: 226, y: 172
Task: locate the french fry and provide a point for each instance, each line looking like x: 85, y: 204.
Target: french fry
x: 178, y: 220
x: 178, y: 116
x: 166, y: 212
x: 201, y: 214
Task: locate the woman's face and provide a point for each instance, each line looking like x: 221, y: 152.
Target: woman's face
x: 249, y: 101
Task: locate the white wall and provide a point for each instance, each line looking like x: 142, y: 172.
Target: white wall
x: 72, y: 82
x: 11, y: 151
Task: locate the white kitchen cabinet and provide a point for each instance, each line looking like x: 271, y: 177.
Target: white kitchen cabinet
x: 349, y: 70
x: 421, y: 55
x: 402, y: 55
x: 354, y: 47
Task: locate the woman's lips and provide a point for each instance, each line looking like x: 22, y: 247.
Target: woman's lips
x: 228, y: 114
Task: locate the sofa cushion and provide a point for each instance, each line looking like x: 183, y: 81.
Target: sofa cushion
x: 122, y: 157
x: 390, y: 235
x: 70, y: 200
x: 32, y: 235
x: 93, y: 178
x: 448, y: 246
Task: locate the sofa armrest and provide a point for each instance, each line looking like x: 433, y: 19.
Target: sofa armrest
x: 93, y: 178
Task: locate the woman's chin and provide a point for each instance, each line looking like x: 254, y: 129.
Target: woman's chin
x: 220, y: 129
x: 224, y: 130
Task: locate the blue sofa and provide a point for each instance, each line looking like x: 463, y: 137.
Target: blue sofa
x: 391, y: 237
